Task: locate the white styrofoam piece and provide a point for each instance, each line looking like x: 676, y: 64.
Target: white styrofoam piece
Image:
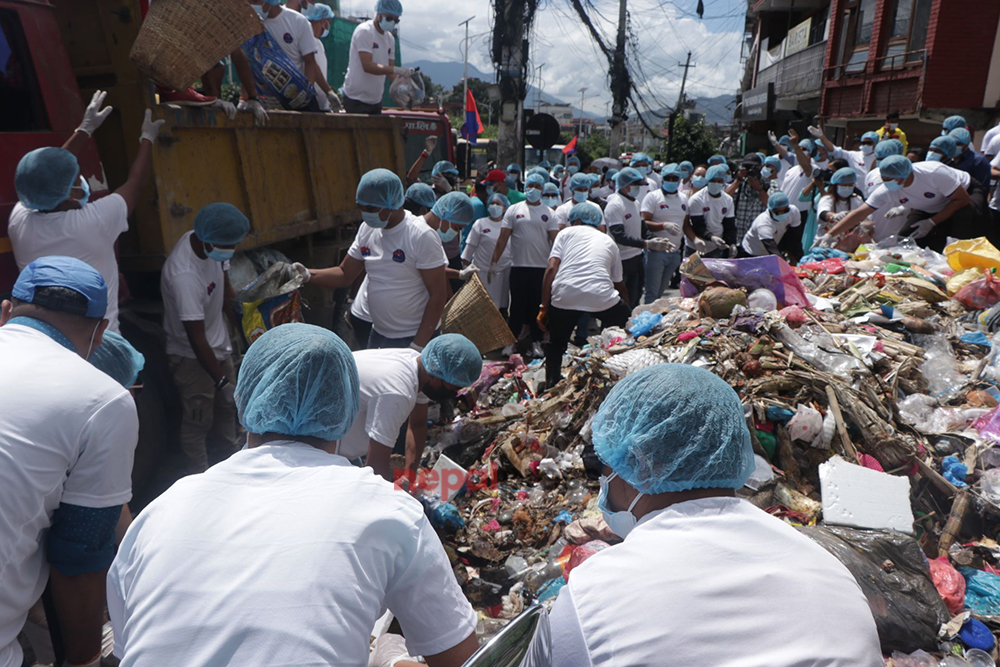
x: 863, y: 498
x: 450, y: 477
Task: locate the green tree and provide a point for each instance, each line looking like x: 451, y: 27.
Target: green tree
x: 432, y: 89
x: 692, y: 141
x: 593, y: 147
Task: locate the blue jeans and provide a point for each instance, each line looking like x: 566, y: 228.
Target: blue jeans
x: 660, y: 269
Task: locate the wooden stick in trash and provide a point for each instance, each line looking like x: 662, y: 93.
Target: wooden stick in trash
x: 950, y: 532
x: 935, y: 478
x: 831, y: 396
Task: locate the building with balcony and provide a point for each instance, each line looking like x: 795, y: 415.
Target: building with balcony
x: 850, y: 62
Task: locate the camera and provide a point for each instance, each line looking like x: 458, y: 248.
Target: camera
x: 823, y: 174
x: 752, y: 169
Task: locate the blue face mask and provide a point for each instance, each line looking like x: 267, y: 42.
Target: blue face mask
x: 766, y: 173
x: 729, y: 178
x: 780, y: 217
x: 670, y: 187
x: 85, y: 186
x: 845, y: 191
x: 699, y: 181
x: 220, y: 254
x: 496, y: 211
x: 511, y: 182
x: 261, y: 11
x: 533, y: 195
x: 572, y: 169
x: 893, y: 186
x: 326, y: 33
x: 646, y: 171
x: 448, y: 235
x: 621, y: 523
x: 580, y: 197
x: 551, y: 201
x: 372, y: 219
x: 490, y: 190
x: 715, y: 188
x: 935, y: 157
x: 387, y: 25
x: 633, y: 191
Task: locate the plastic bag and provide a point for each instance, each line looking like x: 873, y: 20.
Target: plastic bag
x: 960, y: 280
x: 980, y: 294
x: 770, y: 272
x: 582, y: 553
x: 407, y: 91
x: 271, y: 300
x: 982, y: 591
x: 806, y: 424
x: 949, y: 583
x: 825, y: 361
x: 762, y: 299
x: 276, y: 75
x: 643, y: 323
x: 626, y: 363
x: 907, y: 608
x: 794, y: 315
x: 940, y: 368
x: 975, y: 253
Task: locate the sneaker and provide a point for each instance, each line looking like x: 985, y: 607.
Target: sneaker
x: 186, y: 98
x: 536, y: 351
x: 508, y: 351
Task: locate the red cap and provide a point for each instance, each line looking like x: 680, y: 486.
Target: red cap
x: 495, y: 176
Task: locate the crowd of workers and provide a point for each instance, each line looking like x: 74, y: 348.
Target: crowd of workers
x: 290, y: 547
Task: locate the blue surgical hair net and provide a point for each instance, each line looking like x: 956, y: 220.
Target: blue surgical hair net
x: 319, y: 12
x: 844, y: 176
x: 716, y: 159
x: 611, y: 175
x: 627, y: 177
x: 952, y: 122
x: 895, y: 166
x: 580, y: 180
x: 498, y: 198
x: 455, y: 207
x: 687, y: 168
x: 454, y: 359
x: 573, y: 160
x: 221, y: 224
x: 116, y: 357
x: 809, y: 146
x: 545, y: 164
x: 422, y: 194
x: 672, y: 169
x: 785, y: 141
x: 716, y: 171
x: 558, y: 169
x: 773, y: 161
x: 534, y: 178
x: 777, y: 200
x: 299, y: 380
x: 444, y: 167
x: 961, y: 136
x: 872, y: 136
x: 887, y: 147
x: 640, y: 157
x: 587, y: 213
x: 550, y: 188
x: 44, y: 177
x: 674, y: 427
x: 513, y: 166
x: 380, y: 188
x: 947, y: 144
x: 389, y: 7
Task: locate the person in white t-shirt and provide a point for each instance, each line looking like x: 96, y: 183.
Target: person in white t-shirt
x: 293, y: 33
x: 196, y: 298
x: 285, y: 553
x: 372, y: 60
x: 770, y: 226
x: 936, y: 195
x: 396, y: 386
x: 713, y: 221
x: 479, y: 249
x: 404, y: 262
x: 54, y: 215
x: 530, y: 227
x: 643, y: 163
x: 800, y: 175
x: 861, y: 161
x: 841, y: 198
x: 67, y: 440
x: 572, y: 169
x: 665, y: 212
x: 583, y: 277
x: 320, y: 18
x: 675, y: 447
x: 578, y: 188
x: 627, y: 227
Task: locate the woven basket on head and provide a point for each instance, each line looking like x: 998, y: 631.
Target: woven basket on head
x: 182, y: 39
x: 472, y: 313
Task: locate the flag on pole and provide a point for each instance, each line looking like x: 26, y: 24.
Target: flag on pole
x: 473, y: 126
x: 570, y: 147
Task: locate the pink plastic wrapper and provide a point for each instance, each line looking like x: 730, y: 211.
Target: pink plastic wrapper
x: 770, y: 272
x: 988, y: 426
x: 794, y: 315
x: 949, y: 583
x: 833, y: 266
x: 582, y: 553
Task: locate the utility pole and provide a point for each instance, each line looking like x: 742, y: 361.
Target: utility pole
x: 538, y: 88
x: 678, y: 108
x: 617, y: 68
x: 510, y: 53
x: 579, y: 126
x: 465, y: 95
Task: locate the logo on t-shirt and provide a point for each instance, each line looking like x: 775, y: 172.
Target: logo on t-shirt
x: 211, y: 288
x: 663, y: 206
x: 287, y: 37
x: 486, y: 230
x: 628, y: 215
x: 399, y: 256
x: 519, y: 216
x: 374, y: 45
x: 903, y: 200
x: 545, y: 218
x: 366, y: 251
x: 929, y: 195
x: 725, y: 209
x: 684, y: 207
x: 705, y: 209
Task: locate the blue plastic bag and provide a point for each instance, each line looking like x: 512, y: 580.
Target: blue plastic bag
x: 982, y: 591
x: 954, y: 470
x: 644, y: 322
x: 276, y: 75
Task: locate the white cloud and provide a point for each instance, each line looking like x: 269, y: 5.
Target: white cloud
x: 430, y: 31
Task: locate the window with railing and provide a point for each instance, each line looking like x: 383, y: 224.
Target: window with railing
x: 907, y: 31
x: 858, y: 18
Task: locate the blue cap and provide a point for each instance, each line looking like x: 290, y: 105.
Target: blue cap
x: 545, y: 164
x: 947, y: 144
x: 672, y: 169
x: 68, y: 272
x: 319, y: 12
x: 394, y: 7
x: 773, y: 161
x: 640, y: 157
x: 785, y: 140
x: 627, y: 177
x: 809, y: 146
x: 422, y: 194
x: 587, y: 213
x: 513, y: 166
x: 550, y: 188
x: 497, y: 198
x: 535, y: 179
x: 380, y: 188
x: 444, y: 167
x: 453, y: 358
x: 221, y: 224
x: 687, y: 167
x: 895, y: 166
x: 716, y: 171
x: 717, y: 159
x: 961, y: 135
x: 952, y: 122
x: 777, y: 200
x: 558, y: 169
x: 844, y: 176
x: 573, y: 160
x: 887, y: 147
x: 580, y: 180
x: 870, y: 136
x: 455, y: 207
x: 116, y: 357
x: 44, y: 177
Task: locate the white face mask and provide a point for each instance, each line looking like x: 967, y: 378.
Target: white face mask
x: 621, y: 523
x: 496, y: 211
x: 867, y: 149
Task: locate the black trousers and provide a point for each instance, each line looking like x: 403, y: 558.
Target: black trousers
x: 968, y: 223
x: 354, y: 106
x: 362, y: 331
x: 634, y: 274
x: 455, y: 263
x: 525, y: 295
x: 561, y: 325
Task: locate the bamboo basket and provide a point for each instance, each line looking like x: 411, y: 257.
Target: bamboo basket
x: 472, y: 313
x: 182, y: 39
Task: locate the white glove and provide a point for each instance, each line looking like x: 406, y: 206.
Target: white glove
x: 227, y: 107
x: 923, y: 228
x: 822, y: 241
x: 94, y: 115
x: 441, y: 183
x: 772, y: 137
x: 468, y: 272
x: 672, y: 228
x: 699, y: 245
x: 661, y: 245
x: 492, y: 273
x: 430, y: 143
x: 388, y: 650
x: 895, y: 212
x: 254, y: 107
x: 403, y: 71
x: 837, y: 217
x: 418, y: 348
x: 334, y: 99
x: 717, y: 240
x: 815, y: 131
x: 150, y: 127
x: 300, y: 271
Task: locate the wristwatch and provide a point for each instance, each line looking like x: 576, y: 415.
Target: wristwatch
x: 222, y: 384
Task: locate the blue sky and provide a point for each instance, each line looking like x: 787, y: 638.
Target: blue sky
x: 666, y: 30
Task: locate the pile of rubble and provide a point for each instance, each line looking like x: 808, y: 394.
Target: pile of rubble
x: 869, y: 388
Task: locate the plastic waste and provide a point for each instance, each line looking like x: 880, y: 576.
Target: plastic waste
x: 550, y: 589
x: 408, y: 91
x: 762, y: 299
x: 976, y: 635
x: 644, y: 323
x: 982, y: 591
x: 839, y: 364
x: 915, y: 659
x: 954, y: 470
x: 979, y: 658
x: 794, y: 315
x: 516, y: 567
x: 949, y: 583
x: 761, y: 475
x: 626, y: 363
x: 940, y: 368
x: 776, y: 414
x: 980, y: 294
x: 990, y: 458
x: 988, y: 426
x: 954, y: 661
x: 806, y: 424
x: 444, y: 516
x: 582, y: 553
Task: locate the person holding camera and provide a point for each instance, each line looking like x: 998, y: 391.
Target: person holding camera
x: 750, y: 194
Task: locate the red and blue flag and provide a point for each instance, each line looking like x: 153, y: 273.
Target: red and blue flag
x: 473, y: 126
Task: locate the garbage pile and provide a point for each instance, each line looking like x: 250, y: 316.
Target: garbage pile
x: 869, y: 385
